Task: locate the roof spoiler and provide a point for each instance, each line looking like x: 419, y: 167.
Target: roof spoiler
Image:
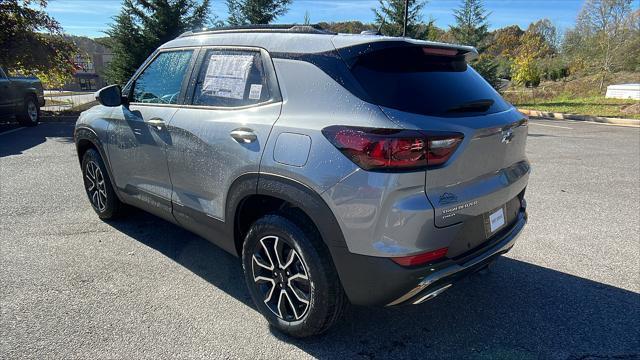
x: 353, y: 46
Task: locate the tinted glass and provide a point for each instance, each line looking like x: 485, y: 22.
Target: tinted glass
x: 231, y: 78
x: 415, y: 80
x: 161, y: 81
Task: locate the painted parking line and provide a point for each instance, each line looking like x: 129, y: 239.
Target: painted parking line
x: 574, y: 122
x: 605, y: 124
x: 553, y: 126
x: 12, y: 131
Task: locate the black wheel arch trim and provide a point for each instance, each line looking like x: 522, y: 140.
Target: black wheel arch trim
x: 291, y: 191
x: 309, y: 201
x: 87, y: 134
x: 359, y: 286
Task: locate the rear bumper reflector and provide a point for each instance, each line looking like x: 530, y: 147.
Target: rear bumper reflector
x: 450, y: 273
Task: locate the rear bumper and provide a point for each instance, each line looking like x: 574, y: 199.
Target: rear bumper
x: 374, y: 281
x: 438, y: 281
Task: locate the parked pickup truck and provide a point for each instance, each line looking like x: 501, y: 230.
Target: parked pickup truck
x: 21, y: 97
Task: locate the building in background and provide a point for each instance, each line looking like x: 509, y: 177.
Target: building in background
x: 90, y: 65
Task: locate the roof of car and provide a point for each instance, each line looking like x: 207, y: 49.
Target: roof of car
x: 298, y: 39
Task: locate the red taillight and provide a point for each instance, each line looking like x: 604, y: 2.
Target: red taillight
x: 421, y: 258
x: 392, y: 149
x: 439, y: 51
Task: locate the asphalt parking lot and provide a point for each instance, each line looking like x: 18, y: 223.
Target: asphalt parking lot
x: 72, y: 286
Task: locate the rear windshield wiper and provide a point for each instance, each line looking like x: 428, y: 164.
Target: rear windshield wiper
x: 472, y: 106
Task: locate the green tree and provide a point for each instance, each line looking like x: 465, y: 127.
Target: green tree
x: 600, y: 41
x: 525, y: 70
x: 390, y: 14
x: 472, y: 27
x: 547, y: 31
x: 32, y: 42
x: 129, y: 48
x: 428, y: 31
x: 550, y: 64
x: 486, y: 66
x: 243, y: 12
x: 505, y: 41
x: 631, y: 48
x: 503, y: 44
x: 347, y: 27
x: 143, y: 25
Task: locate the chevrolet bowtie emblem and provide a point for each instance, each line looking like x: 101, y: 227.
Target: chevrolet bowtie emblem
x: 507, y: 136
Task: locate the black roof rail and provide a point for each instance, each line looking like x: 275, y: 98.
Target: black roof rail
x: 267, y: 28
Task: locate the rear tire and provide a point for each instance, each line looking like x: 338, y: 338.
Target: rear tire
x: 280, y: 294
x: 30, y: 113
x: 98, y: 186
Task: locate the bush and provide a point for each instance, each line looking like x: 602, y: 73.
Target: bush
x: 552, y: 68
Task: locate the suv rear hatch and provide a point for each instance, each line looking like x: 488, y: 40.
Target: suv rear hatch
x: 430, y: 88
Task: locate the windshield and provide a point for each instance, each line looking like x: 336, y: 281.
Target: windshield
x: 422, y: 80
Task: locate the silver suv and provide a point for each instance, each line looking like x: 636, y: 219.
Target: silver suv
x: 341, y: 168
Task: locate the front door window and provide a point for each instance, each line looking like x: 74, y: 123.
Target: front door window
x: 161, y: 81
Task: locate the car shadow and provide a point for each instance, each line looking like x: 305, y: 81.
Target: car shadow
x: 15, y: 141
x: 518, y: 310
x: 201, y: 257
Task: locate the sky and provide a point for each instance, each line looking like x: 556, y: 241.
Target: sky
x: 92, y: 17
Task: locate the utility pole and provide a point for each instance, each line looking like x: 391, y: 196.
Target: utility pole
x: 406, y: 18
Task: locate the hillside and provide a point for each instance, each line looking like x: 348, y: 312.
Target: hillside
x: 577, y: 95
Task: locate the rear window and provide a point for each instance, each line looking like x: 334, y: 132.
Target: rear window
x: 424, y: 81
x: 232, y: 78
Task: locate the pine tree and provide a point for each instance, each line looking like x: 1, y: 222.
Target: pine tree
x: 471, y: 26
x: 128, y: 47
x: 391, y: 15
x: 243, y: 12
x: 143, y: 25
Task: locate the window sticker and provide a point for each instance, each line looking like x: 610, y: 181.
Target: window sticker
x: 227, y: 76
x: 255, y: 92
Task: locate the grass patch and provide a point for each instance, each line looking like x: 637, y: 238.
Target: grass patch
x: 591, y: 105
x: 578, y: 94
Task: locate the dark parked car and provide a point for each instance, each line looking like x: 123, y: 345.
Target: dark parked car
x: 22, y: 97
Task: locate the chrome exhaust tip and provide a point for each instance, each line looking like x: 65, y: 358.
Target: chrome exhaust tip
x: 432, y: 294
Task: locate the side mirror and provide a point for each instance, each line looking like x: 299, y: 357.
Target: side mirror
x: 110, y: 96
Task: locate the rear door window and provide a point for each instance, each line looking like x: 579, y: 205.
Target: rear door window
x: 232, y: 78
x: 423, y: 81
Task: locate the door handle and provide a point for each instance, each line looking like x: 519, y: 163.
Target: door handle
x: 243, y: 135
x: 156, y: 123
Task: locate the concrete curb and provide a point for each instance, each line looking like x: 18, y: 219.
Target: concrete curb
x: 59, y: 119
x: 588, y: 118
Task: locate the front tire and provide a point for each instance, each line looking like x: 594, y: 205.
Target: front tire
x: 30, y: 114
x: 290, y: 275
x: 98, y: 186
